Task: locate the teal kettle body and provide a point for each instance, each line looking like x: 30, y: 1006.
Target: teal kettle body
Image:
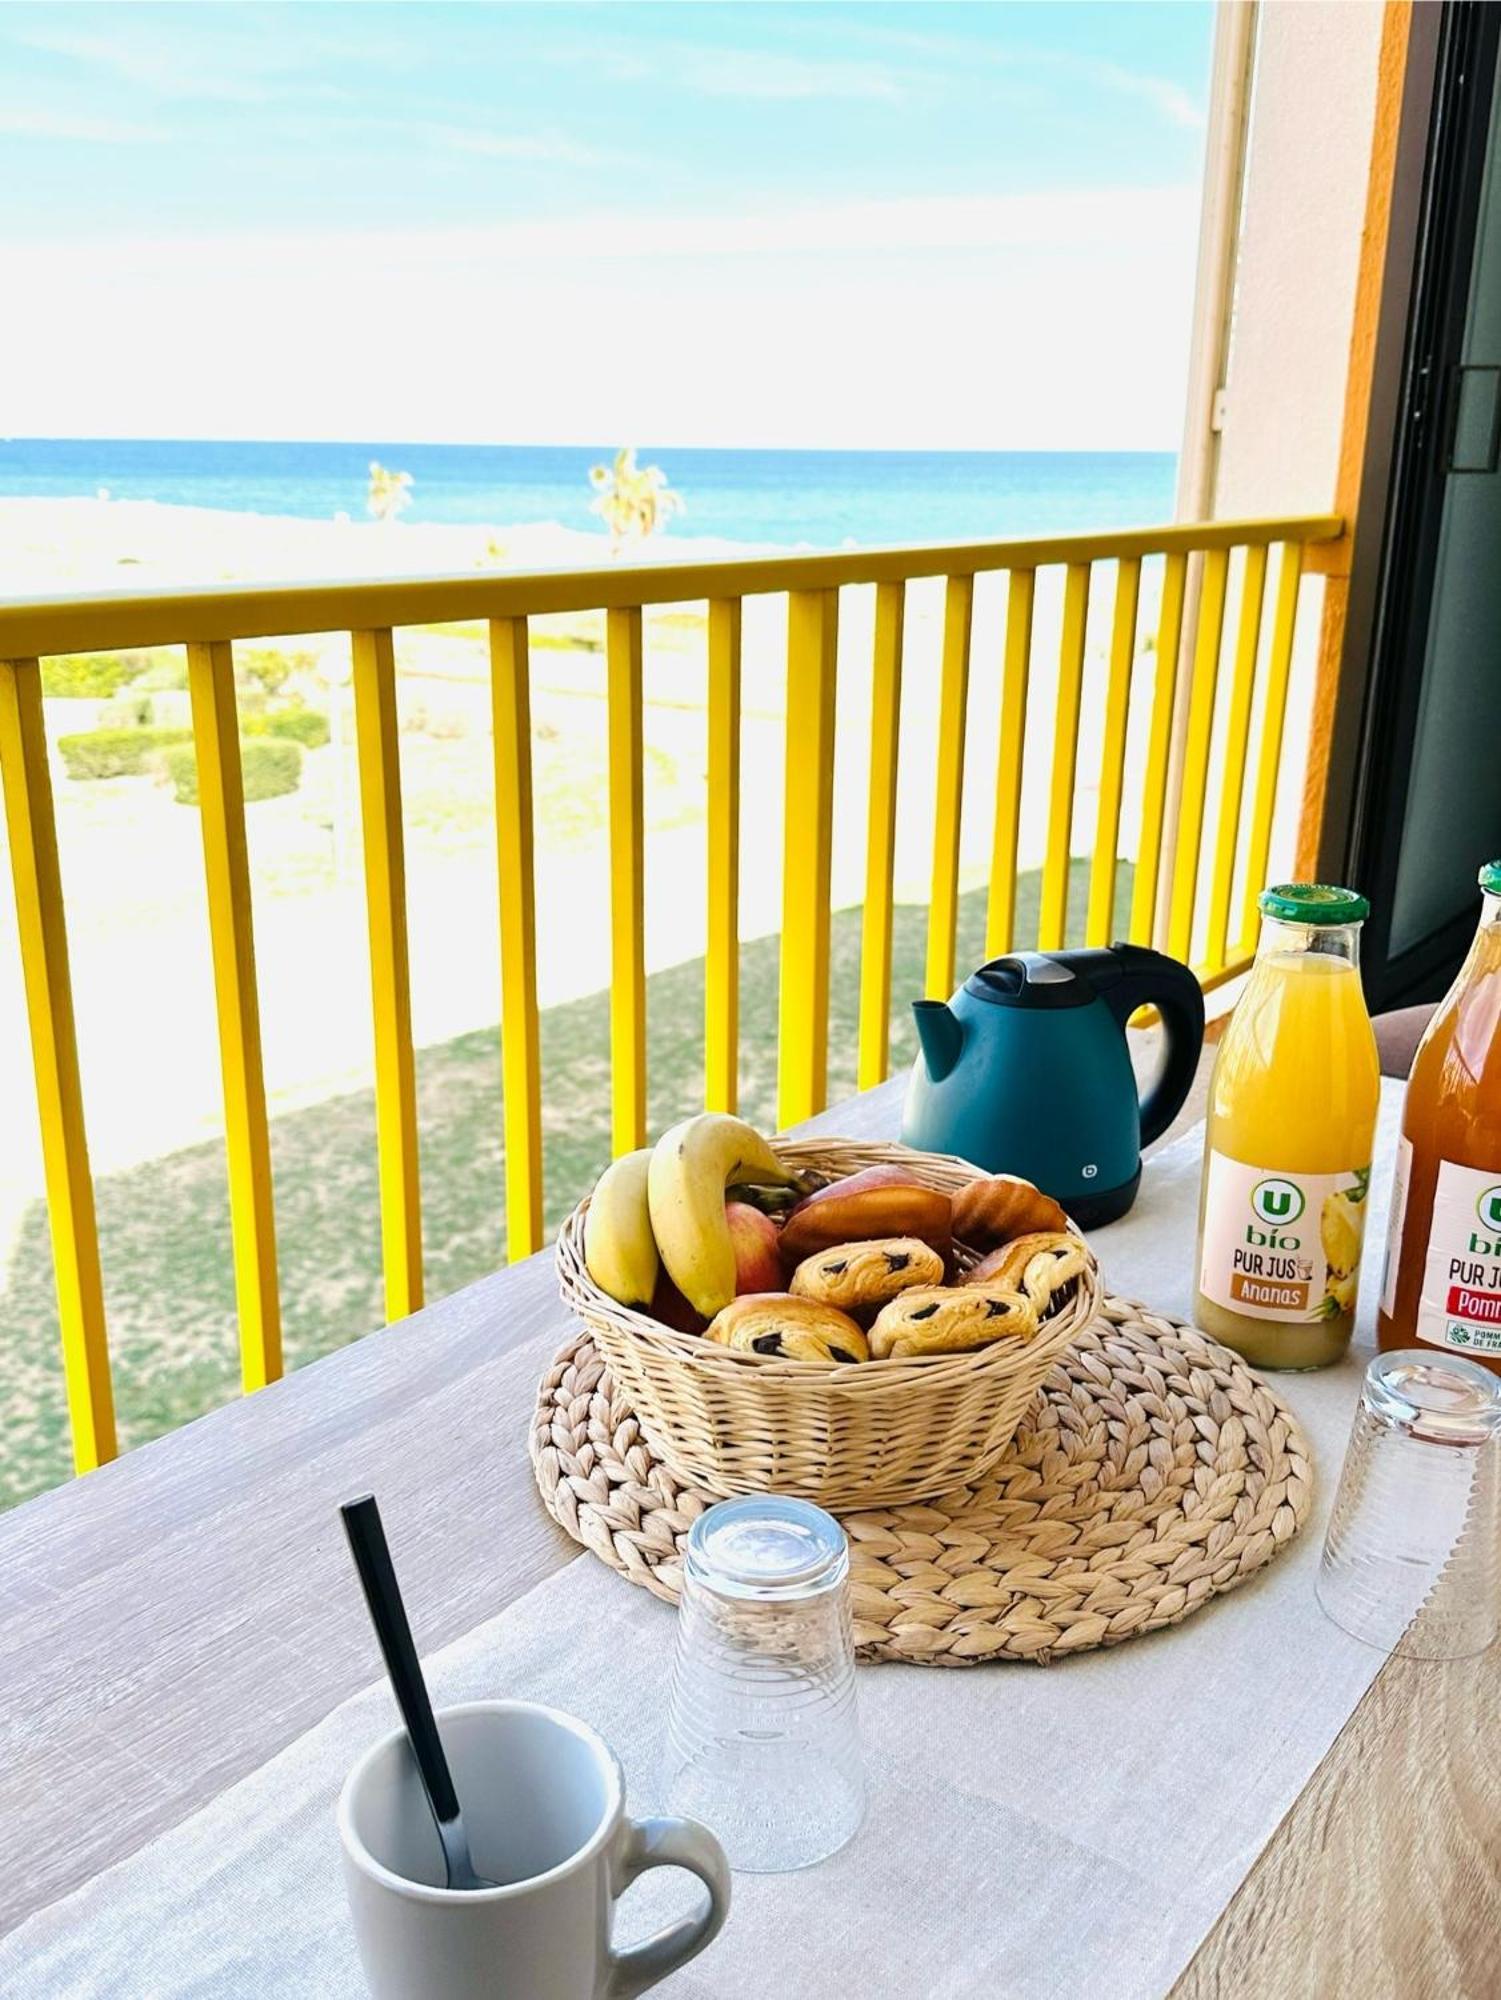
x: 1027, y: 1071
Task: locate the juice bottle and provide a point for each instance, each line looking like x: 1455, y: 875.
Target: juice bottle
x: 1287, y: 1155
x: 1442, y: 1282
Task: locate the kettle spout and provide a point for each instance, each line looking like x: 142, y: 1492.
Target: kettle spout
x: 941, y: 1035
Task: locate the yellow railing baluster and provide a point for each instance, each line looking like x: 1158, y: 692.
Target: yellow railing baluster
x: 247, y: 1144
x: 627, y: 883
x: 1206, y: 670
x: 374, y: 660
x: 520, y: 1052
x: 722, y: 954
x: 880, y: 837
x: 1099, y: 921
x: 1168, y: 858
x: 43, y: 939
x: 1159, y: 746
x: 812, y: 650
x: 1052, y: 916
x: 1000, y: 912
x: 1269, y: 763
x: 1237, y: 736
x: 953, y: 704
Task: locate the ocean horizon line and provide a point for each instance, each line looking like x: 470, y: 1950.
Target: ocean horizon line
x: 824, y: 497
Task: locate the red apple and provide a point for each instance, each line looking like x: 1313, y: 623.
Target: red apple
x: 672, y: 1309
x: 758, y: 1263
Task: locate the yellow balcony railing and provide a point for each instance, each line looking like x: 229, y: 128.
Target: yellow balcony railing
x: 1174, y: 764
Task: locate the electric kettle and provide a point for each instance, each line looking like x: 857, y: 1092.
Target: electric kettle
x: 1027, y: 1071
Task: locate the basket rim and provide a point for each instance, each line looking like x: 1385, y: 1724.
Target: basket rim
x: 892, y: 1376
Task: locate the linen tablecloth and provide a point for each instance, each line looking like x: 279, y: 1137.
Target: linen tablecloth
x: 1045, y: 1833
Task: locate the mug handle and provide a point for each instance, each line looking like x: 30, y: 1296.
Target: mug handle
x: 668, y: 1843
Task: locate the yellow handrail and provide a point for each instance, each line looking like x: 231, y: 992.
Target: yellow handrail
x: 51, y: 625
x: 209, y: 621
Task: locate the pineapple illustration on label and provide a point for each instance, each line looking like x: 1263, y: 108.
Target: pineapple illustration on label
x: 1282, y: 1246
x: 1341, y: 1233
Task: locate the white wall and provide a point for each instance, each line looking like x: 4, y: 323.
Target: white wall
x: 1306, y: 170
x: 1312, y: 108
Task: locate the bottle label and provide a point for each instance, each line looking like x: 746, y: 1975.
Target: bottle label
x: 1459, y: 1302
x: 1401, y: 1179
x: 1282, y: 1246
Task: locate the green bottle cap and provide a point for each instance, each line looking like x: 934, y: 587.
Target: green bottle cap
x: 1313, y: 903
x: 1490, y: 878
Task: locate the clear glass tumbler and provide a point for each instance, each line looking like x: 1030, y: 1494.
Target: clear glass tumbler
x: 762, y: 1740
x: 1411, y: 1559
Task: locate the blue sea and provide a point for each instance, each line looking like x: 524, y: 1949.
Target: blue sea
x: 821, y: 498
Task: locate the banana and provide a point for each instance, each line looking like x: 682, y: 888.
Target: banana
x: 691, y: 1166
x: 619, y: 1248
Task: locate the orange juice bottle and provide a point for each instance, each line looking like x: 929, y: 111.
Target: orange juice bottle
x: 1442, y: 1282
x: 1287, y: 1154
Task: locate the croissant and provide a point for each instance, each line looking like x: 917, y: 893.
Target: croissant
x: 932, y: 1319
x: 1039, y: 1265
x: 775, y: 1323
x: 995, y: 1210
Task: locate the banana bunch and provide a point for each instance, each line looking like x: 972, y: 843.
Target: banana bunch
x: 665, y: 1205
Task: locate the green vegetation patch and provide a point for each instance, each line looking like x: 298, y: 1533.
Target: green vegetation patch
x: 117, y: 753
x: 77, y: 676
x: 307, y: 726
x: 270, y: 768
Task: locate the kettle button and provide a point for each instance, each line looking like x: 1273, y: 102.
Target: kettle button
x: 1090, y: 1171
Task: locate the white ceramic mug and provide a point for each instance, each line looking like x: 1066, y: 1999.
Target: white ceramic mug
x: 544, y: 1808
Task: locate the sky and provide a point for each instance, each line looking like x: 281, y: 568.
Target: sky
x: 921, y: 226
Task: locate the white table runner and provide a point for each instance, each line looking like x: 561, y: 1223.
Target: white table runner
x: 1049, y: 1834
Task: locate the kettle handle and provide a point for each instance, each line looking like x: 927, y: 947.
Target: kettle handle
x: 1152, y: 979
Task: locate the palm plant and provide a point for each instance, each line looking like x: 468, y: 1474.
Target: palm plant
x: 633, y: 500
x: 388, y: 492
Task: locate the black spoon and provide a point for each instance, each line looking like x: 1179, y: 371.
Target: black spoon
x: 372, y: 1558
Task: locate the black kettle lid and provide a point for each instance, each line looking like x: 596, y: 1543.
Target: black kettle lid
x: 1034, y: 979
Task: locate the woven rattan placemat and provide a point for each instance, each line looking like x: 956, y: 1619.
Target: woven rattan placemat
x: 1153, y: 1472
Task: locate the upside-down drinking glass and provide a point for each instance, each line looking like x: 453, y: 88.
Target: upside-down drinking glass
x: 1411, y: 1559
x: 762, y: 1740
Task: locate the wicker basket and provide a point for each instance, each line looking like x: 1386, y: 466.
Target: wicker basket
x: 872, y: 1435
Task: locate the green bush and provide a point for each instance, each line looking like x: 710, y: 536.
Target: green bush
x: 270, y: 768
x: 80, y: 675
x: 117, y: 753
x: 307, y: 726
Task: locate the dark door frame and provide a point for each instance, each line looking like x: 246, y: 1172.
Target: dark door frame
x: 1452, y: 65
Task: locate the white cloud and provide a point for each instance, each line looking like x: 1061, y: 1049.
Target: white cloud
x: 41, y: 123
x: 1170, y: 99
x: 549, y: 148
x: 713, y: 71
x: 1048, y: 321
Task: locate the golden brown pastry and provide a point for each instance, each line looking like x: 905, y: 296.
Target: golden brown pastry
x: 935, y: 1319
x: 1042, y: 1266
x: 866, y: 1207
x: 1000, y: 1208
x: 852, y: 1275
x: 776, y: 1323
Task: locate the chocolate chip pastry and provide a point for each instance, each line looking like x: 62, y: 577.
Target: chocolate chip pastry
x: 1040, y: 1265
x: 856, y: 1275
x: 794, y: 1329
x: 935, y: 1319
